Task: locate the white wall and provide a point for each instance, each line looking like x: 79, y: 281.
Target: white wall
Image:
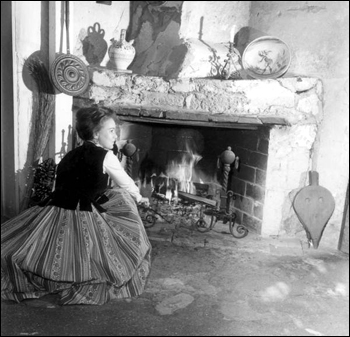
x: 112, y: 19
x: 9, y: 199
x: 30, y: 24
x: 317, y: 33
x: 215, y: 19
x: 83, y: 16
x: 26, y: 41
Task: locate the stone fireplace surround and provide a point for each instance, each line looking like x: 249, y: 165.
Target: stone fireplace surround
x: 290, y: 108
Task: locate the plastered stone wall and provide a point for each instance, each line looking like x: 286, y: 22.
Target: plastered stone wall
x: 177, y: 39
x: 25, y: 43
x: 288, y: 163
x: 156, y: 32
x: 36, y: 29
x: 93, y: 27
x: 211, y: 21
x: 314, y: 31
x: 317, y: 33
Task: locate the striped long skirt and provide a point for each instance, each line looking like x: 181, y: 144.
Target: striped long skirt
x: 84, y: 257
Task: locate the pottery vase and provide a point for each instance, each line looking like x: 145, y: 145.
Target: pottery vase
x: 121, y: 53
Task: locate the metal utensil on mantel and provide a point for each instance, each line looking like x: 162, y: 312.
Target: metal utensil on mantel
x: 69, y: 73
x: 314, y: 205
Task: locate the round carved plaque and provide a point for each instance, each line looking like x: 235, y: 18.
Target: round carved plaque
x: 70, y: 75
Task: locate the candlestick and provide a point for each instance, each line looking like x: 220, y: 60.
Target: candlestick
x: 232, y: 66
x: 232, y: 33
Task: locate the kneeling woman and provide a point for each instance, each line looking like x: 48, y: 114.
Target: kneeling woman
x: 88, y: 244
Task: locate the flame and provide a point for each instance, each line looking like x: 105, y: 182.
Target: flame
x: 176, y: 195
x: 168, y: 195
x: 180, y: 173
x: 182, y: 170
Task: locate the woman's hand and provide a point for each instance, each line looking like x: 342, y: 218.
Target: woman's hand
x: 144, y: 202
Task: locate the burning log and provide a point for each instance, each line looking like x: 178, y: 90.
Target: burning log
x: 196, y: 198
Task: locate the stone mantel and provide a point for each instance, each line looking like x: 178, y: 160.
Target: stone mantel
x: 283, y: 101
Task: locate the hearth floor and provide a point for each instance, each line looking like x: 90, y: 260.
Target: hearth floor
x: 210, y: 284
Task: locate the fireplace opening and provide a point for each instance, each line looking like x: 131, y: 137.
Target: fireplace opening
x: 177, y: 158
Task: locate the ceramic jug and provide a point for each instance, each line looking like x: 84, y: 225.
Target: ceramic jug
x: 121, y: 53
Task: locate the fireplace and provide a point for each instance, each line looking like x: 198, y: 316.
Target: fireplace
x: 190, y: 156
x: 269, y: 124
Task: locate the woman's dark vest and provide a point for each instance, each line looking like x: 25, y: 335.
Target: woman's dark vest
x: 80, y: 178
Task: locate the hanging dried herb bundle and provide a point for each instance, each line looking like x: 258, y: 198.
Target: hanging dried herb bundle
x: 42, y: 118
x: 43, y: 101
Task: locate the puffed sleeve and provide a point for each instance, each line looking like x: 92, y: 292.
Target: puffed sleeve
x: 113, y: 167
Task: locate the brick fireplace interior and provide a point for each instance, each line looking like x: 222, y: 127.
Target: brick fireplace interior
x: 168, y: 150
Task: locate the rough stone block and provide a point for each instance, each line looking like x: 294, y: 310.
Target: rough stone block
x: 163, y: 99
x: 182, y: 85
x: 263, y: 146
x: 108, y: 78
x: 255, y: 192
x: 258, y: 210
x: 244, y: 204
x: 246, y: 173
x: 254, y: 159
x: 248, y: 140
x: 238, y: 186
x: 252, y: 223
x: 260, y: 177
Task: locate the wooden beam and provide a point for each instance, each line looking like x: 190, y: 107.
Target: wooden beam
x: 226, y: 125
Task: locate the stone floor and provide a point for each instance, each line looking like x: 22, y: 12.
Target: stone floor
x: 210, y: 284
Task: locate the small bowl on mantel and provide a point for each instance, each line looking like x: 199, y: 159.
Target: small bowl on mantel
x: 266, y: 57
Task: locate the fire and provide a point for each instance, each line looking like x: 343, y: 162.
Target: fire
x: 176, y: 195
x: 168, y: 195
x: 182, y: 170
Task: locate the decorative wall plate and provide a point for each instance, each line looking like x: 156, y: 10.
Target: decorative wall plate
x: 70, y: 75
x: 266, y: 57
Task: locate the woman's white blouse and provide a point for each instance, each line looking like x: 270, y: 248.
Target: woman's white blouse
x: 113, y: 167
